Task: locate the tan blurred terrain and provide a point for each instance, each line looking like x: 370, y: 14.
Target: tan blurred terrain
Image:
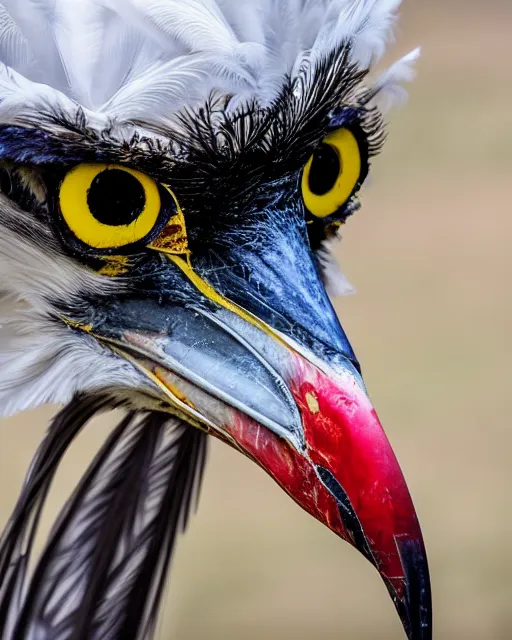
x: 430, y: 256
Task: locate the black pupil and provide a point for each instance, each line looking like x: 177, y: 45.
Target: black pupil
x: 116, y: 198
x: 325, y: 170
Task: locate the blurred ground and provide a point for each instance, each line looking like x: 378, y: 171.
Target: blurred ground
x: 431, y: 324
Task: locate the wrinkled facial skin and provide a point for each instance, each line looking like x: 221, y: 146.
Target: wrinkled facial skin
x: 224, y: 313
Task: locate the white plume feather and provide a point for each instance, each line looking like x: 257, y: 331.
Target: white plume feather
x: 14, y: 49
x: 389, y: 90
x: 44, y: 26
x: 148, y: 58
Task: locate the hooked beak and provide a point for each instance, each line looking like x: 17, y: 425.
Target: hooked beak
x: 305, y: 419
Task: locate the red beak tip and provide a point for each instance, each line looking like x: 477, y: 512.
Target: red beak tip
x: 349, y: 479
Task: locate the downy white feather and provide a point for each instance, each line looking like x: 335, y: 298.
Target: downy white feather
x: 335, y: 280
x: 41, y: 360
x: 34, y: 271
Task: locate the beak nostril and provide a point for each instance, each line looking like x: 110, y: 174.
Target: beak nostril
x: 312, y: 402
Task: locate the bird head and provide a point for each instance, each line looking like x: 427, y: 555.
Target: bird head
x: 171, y: 176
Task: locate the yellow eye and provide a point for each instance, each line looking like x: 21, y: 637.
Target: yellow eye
x: 108, y: 206
x: 332, y: 173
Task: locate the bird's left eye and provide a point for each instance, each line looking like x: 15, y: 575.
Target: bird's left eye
x: 333, y: 173
x: 109, y: 206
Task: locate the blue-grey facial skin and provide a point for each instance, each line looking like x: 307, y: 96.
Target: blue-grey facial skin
x: 271, y: 271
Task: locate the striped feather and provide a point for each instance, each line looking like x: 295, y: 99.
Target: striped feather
x: 103, y: 570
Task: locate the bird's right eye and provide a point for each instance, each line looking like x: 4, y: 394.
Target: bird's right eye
x: 108, y: 207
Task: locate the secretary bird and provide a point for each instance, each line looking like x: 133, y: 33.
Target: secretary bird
x: 172, y: 175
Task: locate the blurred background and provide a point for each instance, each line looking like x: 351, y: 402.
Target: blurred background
x: 429, y: 254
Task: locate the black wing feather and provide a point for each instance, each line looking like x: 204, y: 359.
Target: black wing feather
x: 103, y: 571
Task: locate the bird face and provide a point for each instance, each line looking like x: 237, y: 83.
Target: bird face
x: 196, y: 288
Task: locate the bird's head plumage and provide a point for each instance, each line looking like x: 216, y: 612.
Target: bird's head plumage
x: 171, y: 174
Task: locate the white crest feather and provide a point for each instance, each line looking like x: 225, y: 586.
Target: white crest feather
x: 149, y: 58
x: 388, y: 89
